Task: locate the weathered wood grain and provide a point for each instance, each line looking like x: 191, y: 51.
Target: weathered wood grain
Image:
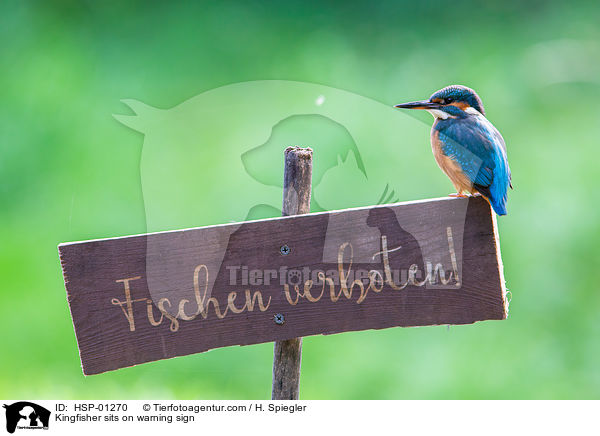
x: 158, y: 270
x: 287, y: 354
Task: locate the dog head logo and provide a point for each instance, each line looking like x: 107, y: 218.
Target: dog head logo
x: 218, y: 158
x: 26, y: 415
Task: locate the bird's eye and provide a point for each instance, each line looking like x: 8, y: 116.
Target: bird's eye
x: 449, y: 100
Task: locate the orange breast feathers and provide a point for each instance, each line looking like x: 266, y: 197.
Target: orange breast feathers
x: 451, y: 168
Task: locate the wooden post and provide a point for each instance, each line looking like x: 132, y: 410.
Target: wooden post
x: 287, y: 355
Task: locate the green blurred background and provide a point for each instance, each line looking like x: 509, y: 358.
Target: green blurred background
x: 69, y: 171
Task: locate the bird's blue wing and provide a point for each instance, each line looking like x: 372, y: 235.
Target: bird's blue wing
x: 475, y: 144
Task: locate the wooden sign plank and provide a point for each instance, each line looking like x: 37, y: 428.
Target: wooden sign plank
x: 156, y: 296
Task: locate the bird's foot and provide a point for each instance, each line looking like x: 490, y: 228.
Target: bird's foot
x: 458, y: 194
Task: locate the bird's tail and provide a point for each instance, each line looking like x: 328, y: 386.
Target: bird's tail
x: 499, y: 206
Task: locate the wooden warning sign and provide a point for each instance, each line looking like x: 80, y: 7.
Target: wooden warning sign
x: 156, y: 296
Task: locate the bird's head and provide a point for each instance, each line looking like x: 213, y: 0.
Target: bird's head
x: 451, y: 101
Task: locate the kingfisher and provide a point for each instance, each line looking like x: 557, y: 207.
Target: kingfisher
x: 466, y: 146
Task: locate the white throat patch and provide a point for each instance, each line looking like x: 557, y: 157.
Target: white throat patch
x: 438, y: 114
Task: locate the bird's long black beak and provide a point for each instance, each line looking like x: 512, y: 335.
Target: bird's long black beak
x: 419, y: 105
